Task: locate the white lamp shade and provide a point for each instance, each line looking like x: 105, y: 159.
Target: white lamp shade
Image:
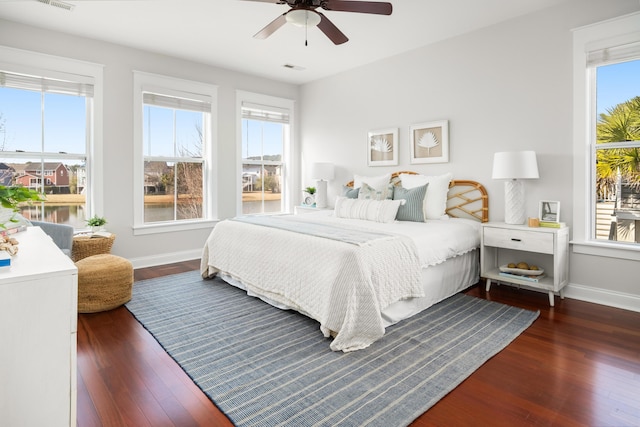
x: 302, y: 18
x: 515, y: 165
x: 323, y: 171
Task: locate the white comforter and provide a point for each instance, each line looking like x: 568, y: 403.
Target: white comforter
x: 343, y: 286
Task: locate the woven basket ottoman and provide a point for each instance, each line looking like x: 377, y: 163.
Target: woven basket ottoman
x: 105, y: 282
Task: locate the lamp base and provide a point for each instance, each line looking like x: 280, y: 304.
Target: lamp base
x: 514, y: 202
x: 321, y: 194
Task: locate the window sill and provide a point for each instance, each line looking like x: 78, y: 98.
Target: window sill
x: 630, y: 251
x: 171, y: 227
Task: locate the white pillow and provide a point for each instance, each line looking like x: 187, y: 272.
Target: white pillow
x: 435, y: 202
x: 369, y: 209
x: 378, y: 182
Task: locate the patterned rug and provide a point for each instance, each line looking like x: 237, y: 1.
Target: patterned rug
x: 263, y: 366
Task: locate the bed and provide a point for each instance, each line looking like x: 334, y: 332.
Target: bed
x: 358, y: 269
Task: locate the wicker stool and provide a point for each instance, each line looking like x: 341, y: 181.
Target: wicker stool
x: 104, y: 282
x: 86, y: 246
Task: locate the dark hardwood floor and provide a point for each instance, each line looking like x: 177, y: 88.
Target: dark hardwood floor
x: 577, y: 365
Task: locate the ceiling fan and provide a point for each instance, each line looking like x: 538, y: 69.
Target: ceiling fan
x: 305, y: 13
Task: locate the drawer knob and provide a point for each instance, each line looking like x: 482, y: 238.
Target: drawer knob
x: 516, y: 240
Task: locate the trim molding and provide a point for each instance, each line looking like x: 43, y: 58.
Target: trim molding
x: 603, y: 296
x: 168, y: 258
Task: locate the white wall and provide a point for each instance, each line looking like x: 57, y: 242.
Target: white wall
x: 506, y: 87
x: 119, y: 63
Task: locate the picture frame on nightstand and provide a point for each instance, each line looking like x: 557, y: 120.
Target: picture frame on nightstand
x: 549, y: 211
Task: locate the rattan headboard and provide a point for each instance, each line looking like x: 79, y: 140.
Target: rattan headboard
x: 466, y: 199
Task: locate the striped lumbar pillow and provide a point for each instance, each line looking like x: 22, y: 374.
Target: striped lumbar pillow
x: 413, y: 209
x: 367, y: 209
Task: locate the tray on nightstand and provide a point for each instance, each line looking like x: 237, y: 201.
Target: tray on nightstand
x: 521, y: 271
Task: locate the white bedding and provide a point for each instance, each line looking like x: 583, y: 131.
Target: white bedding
x: 436, y: 240
x: 343, y: 286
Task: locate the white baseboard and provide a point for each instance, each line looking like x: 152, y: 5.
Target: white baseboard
x: 153, y: 260
x: 603, y: 296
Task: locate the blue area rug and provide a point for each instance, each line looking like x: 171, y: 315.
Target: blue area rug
x: 265, y: 367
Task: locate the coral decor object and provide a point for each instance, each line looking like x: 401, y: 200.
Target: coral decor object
x: 9, y: 244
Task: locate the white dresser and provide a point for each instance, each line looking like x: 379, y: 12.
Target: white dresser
x: 38, y: 331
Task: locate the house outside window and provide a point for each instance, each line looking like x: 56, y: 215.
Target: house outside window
x: 265, y: 146
x: 174, y: 146
x: 47, y: 129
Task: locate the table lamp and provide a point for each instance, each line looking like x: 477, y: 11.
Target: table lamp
x: 323, y: 172
x: 514, y: 166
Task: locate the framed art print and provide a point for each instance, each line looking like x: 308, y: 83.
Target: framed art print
x: 430, y: 142
x: 549, y: 211
x: 382, y: 147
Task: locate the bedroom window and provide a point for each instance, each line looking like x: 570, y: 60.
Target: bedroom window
x: 606, y: 120
x: 616, y: 146
x: 46, y: 134
x: 174, y: 134
x: 265, y: 145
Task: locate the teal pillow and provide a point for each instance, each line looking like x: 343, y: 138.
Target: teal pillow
x: 412, y: 210
x: 369, y: 193
x: 349, y: 192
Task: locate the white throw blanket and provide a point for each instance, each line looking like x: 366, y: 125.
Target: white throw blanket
x: 341, y: 285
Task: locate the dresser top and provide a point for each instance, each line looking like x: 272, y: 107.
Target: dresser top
x: 38, y: 256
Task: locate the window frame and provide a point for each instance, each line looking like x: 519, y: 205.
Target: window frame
x: 607, y: 34
x: 175, y: 87
x: 56, y: 67
x: 244, y: 97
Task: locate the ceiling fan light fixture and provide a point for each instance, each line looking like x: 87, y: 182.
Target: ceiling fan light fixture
x: 303, y: 17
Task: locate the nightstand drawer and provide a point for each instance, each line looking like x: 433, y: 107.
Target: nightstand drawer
x: 532, y: 241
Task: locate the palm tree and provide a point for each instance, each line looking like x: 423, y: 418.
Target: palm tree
x: 619, y: 124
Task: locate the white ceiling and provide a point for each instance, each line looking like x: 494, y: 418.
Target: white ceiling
x: 219, y: 32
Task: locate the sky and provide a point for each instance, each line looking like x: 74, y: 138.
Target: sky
x: 264, y: 138
x: 617, y: 83
x: 160, y: 127
x: 64, y: 122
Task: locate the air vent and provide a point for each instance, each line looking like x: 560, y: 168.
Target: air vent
x: 293, y: 67
x: 58, y: 3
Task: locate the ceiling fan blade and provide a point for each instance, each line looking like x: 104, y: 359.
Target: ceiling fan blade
x: 331, y: 31
x: 271, y: 27
x: 379, y: 8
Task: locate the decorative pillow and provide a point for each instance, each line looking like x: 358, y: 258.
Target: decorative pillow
x: 435, y: 202
x: 413, y: 209
x: 370, y: 210
x: 377, y: 182
x: 350, y: 193
x: 368, y: 192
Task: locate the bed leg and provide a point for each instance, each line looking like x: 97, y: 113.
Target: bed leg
x: 488, y: 285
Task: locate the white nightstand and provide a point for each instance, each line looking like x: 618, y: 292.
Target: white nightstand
x: 547, y: 248
x: 301, y: 209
